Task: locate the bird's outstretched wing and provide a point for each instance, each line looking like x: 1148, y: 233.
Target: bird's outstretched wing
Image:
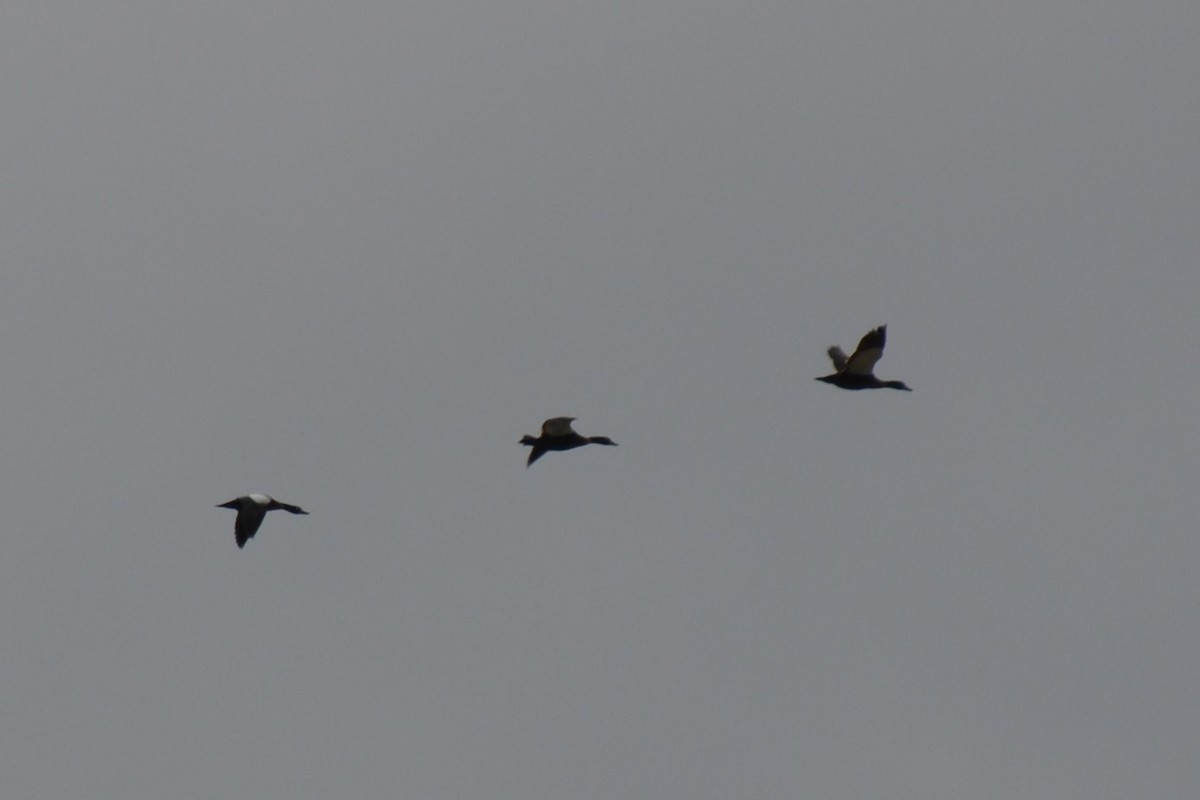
x: 838, y: 357
x: 558, y: 426
x: 248, y: 520
x: 868, y: 352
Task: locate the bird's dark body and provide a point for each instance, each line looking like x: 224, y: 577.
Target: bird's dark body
x: 252, y: 508
x: 855, y: 372
x: 855, y: 382
x: 557, y: 435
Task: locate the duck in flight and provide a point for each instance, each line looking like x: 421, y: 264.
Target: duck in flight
x: 251, y: 509
x: 557, y: 434
x: 856, y: 371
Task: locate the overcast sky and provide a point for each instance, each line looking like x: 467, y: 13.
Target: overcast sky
x: 348, y: 253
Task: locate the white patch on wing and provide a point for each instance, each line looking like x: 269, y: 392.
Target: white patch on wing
x: 863, y: 361
x: 261, y: 499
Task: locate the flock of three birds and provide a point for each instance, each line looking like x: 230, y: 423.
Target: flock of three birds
x: 855, y: 371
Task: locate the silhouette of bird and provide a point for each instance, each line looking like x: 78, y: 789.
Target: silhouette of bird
x: 856, y: 371
x: 557, y: 434
x: 251, y: 509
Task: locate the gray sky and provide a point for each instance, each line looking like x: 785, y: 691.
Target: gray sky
x: 348, y: 253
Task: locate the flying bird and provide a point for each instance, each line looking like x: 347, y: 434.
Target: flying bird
x: 557, y: 434
x: 251, y: 509
x: 856, y: 371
